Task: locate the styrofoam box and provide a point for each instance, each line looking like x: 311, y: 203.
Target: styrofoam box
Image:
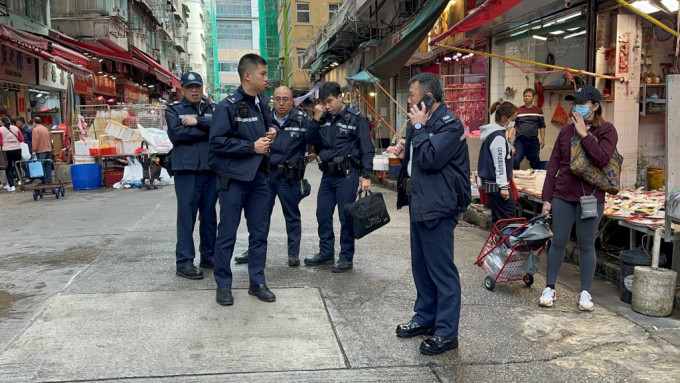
x: 121, y: 131
x: 83, y: 147
x: 129, y: 146
x: 83, y: 159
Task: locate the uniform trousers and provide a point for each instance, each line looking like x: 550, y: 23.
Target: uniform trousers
x: 336, y: 191
x: 436, y: 276
x: 196, y: 195
x: 251, y: 198
x: 289, y: 197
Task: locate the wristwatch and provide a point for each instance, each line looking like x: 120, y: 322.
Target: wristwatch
x: 417, y: 125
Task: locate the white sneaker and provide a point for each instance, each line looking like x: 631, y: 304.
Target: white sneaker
x: 6, y: 187
x: 585, y: 303
x: 11, y: 189
x: 547, y: 297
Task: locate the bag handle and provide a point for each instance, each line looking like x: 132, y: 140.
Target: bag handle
x: 366, y: 194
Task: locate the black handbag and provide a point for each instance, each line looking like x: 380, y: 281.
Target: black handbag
x: 366, y: 214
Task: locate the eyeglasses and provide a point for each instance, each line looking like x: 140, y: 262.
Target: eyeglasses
x: 279, y: 100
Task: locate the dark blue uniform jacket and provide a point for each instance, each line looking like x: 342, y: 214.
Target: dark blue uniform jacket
x: 345, y: 134
x: 190, y: 143
x: 290, y: 142
x: 237, y: 124
x: 440, y: 169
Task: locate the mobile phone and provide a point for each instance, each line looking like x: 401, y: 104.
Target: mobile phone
x: 428, y: 100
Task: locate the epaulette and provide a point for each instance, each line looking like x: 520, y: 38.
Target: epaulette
x: 353, y: 111
x: 234, y: 98
x: 176, y: 102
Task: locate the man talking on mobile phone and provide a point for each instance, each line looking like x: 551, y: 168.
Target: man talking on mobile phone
x: 434, y: 182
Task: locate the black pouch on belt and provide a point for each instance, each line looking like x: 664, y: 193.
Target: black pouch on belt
x: 588, y: 206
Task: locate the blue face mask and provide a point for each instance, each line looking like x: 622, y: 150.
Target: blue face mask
x: 583, y: 110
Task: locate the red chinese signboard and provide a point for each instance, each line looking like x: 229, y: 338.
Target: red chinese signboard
x: 104, y: 85
x: 83, y: 85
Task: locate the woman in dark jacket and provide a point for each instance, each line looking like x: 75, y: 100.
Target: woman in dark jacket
x: 562, y: 191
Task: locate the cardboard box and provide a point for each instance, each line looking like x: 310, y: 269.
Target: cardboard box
x: 129, y: 146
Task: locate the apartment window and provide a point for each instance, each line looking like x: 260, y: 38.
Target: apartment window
x: 302, y: 12
x: 300, y: 57
x: 229, y: 67
x: 97, y: 5
x: 235, y: 34
x: 32, y: 9
x: 233, y: 8
x: 332, y: 8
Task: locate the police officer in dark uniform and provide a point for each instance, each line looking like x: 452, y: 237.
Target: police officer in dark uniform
x: 435, y: 182
x: 195, y: 183
x: 287, y: 160
x: 240, y: 139
x: 342, y: 138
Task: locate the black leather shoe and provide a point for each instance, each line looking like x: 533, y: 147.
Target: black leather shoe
x: 240, y: 259
x: 412, y: 328
x: 318, y: 260
x: 224, y: 297
x: 437, y: 345
x: 293, y: 260
x: 207, y: 265
x: 261, y: 292
x: 341, y: 266
x: 190, y: 272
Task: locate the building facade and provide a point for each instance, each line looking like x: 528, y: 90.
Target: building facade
x: 300, y: 22
x: 237, y: 25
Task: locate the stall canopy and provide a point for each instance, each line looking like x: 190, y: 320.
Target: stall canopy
x: 93, y: 49
x: 363, y: 77
x: 161, y: 73
x: 479, y: 16
x: 390, y: 63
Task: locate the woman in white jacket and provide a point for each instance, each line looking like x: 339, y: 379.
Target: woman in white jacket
x: 495, y: 160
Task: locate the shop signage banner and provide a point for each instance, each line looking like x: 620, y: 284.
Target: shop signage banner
x: 51, y: 76
x: 84, y: 85
x: 16, y: 66
x: 131, y: 92
x: 104, y: 85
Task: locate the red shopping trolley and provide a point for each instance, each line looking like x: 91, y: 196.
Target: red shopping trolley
x: 507, y: 248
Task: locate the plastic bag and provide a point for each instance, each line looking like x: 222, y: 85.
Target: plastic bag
x: 560, y: 117
x: 35, y: 169
x: 531, y: 264
x: 158, y: 140
x: 133, y: 172
x: 25, y: 152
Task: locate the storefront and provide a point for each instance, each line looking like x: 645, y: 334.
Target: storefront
x: 17, y: 73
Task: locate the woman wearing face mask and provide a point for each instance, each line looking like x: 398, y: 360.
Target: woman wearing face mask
x: 495, y: 160
x: 562, y: 191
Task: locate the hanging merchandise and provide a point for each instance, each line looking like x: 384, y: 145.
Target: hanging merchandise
x: 560, y: 116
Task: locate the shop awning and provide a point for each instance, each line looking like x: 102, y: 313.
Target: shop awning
x: 69, y: 54
x: 162, y: 74
x: 319, y: 63
x: 479, y: 16
x: 93, y: 49
x: 390, y: 63
x: 22, y: 38
x: 362, y: 77
x: 135, y: 62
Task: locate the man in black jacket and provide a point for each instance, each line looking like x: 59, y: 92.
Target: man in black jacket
x: 195, y: 183
x: 342, y: 138
x: 435, y: 182
x: 239, y: 153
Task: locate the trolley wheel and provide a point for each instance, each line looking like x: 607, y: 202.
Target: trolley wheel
x: 528, y: 279
x: 56, y: 193
x: 35, y: 195
x: 489, y: 283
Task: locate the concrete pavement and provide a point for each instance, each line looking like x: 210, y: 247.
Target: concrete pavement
x: 88, y: 292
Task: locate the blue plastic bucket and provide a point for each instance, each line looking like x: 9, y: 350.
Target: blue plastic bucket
x: 86, y: 176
